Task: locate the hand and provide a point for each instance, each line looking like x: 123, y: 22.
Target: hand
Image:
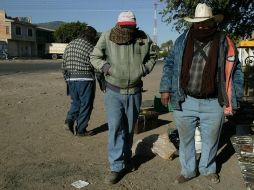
x: 101, y: 80
x: 106, y: 69
x: 165, y: 98
x: 109, y: 71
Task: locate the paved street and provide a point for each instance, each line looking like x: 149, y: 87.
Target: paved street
x: 29, y: 66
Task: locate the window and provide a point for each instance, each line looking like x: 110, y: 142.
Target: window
x: 30, y: 32
x: 7, y: 30
x: 18, y: 30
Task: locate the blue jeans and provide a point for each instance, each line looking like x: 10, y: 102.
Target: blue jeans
x: 122, y: 113
x: 82, y: 95
x: 211, y: 117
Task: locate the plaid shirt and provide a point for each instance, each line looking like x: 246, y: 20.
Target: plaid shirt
x: 76, y: 58
x: 200, y: 56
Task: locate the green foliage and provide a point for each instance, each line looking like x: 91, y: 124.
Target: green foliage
x: 167, y: 45
x: 238, y: 15
x: 163, y: 54
x: 165, y: 48
x: 68, y: 31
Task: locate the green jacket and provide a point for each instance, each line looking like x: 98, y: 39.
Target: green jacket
x: 128, y: 62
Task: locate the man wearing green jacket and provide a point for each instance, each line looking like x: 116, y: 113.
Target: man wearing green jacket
x: 124, y: 54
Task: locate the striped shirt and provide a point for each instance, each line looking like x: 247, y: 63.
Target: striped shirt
x: 76, y: 60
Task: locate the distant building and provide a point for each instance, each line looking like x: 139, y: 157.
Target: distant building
x: 43, y: 36
x: 23, y: 39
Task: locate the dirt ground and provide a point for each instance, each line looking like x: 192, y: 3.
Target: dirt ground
x: 36, y: 152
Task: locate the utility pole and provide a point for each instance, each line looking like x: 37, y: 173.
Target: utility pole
x: 155, y: 23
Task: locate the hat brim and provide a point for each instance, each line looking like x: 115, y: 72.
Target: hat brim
x: 216, y: 18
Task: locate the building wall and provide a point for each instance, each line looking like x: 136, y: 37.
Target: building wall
x: 22, y: 48
x: 13, y: 48
x: 43, y: 36
x: 23, y: 38
x: 5, y: 27
x: 23, y: 32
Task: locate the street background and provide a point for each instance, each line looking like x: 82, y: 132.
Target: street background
x: 38, y: 153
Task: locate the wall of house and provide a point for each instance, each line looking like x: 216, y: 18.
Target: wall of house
x: 21, y: 37
x: 22, y: 44
x: 22, y: 48
x: 43, y: 36
x: 12, y: 48
x: 23, y: 32
x: 5, y: 27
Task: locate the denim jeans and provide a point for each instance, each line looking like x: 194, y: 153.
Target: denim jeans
x: 82, y: 95
x: 211, y: 117
x: 122, y: 113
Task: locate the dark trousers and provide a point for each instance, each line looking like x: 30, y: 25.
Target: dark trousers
x: 82, y: 95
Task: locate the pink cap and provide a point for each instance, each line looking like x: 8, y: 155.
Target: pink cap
x: 126, y: 18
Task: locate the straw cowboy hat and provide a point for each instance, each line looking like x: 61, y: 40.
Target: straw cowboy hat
x: 202, y: 13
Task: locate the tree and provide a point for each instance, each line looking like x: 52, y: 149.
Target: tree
x: 68, y: 31
x: 238, y: 15
x: 165, y: 48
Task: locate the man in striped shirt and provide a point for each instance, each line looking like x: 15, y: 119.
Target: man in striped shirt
x: 80, y: 78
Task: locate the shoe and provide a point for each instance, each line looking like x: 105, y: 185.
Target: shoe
x: 69, y: 125
x: 85, y: 134
x: 214, y: 178
x: 113, y: 178
x: 181, y: 179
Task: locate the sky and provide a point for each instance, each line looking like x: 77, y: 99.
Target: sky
x: 101, y: 14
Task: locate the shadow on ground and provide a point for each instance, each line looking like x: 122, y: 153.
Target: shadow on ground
x: 101, y: 129
x: 239, y: 124
x: 139, y: 128
x: 225, y: 147
x: 143, y: 150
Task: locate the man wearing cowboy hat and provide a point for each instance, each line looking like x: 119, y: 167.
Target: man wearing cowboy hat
x: 124, y: 54
x: 202, y: 82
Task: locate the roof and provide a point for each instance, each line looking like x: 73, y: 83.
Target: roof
x: 46, y: 29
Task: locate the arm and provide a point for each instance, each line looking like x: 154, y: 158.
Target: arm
x: 97, y: 56
x: 65, y: 71
x: 63, y: 67
x: 167, y: 73
x: 166, y: 79
x: 150, y: 58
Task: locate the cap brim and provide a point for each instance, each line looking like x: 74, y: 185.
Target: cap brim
x: 127, y: 23
x: 217, y: 18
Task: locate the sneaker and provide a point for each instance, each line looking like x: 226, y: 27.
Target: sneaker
x: 214, y: 178
x: 69, y: 125
x: 113, y: 178
x: 181, y: 179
